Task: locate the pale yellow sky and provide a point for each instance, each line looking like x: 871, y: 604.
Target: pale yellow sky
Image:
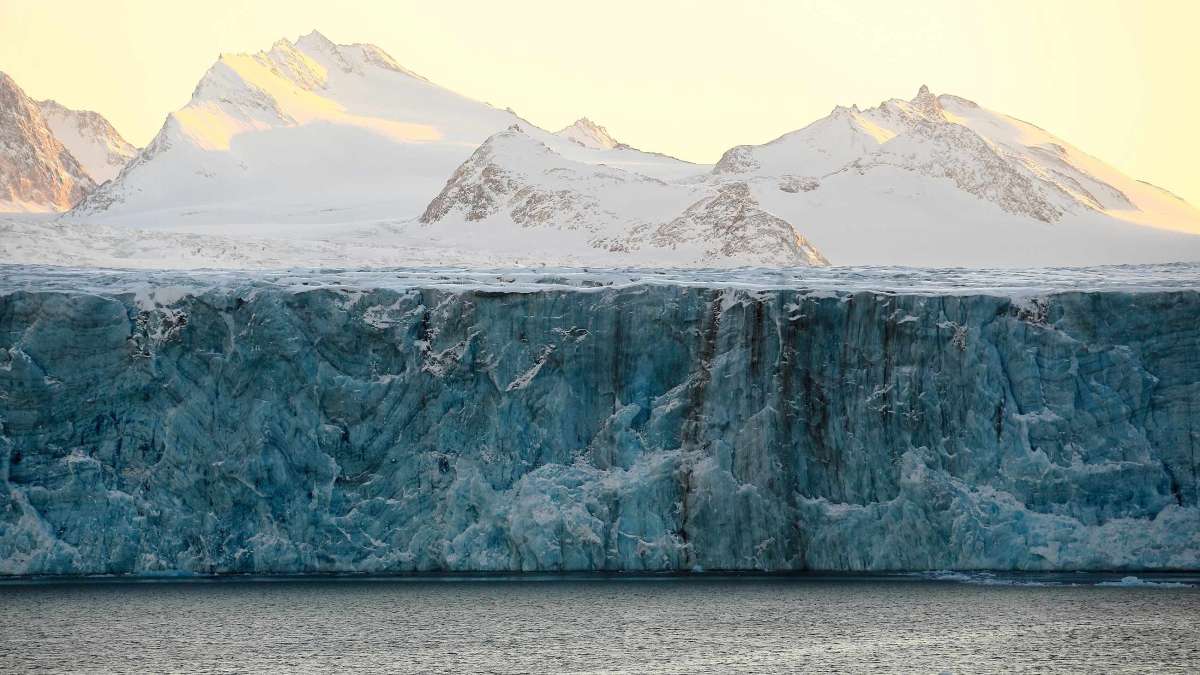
x: 1118, y: 79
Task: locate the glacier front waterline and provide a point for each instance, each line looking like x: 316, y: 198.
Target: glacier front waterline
x: 336, y: 422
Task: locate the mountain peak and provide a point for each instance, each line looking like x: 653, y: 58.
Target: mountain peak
x: 589, y: 134
x: 51, y: 104
x: 316, y: 39
x: 37, y: 172
x: 90, y: 138
x: 926, y: 103
x: 7, y: 83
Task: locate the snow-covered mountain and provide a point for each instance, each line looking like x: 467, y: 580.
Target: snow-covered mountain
x: 520, y: 190
x: 589, y: 134
x: 316, y: 141
x: 91, y: 139
x: 37, y: 173
x: 934, y: 181
x: 939, y: 180
x: 306, y: 132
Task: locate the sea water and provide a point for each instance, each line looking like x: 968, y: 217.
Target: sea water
x: 927, y: 623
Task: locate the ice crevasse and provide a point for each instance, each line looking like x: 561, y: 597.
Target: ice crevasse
x: 247, y: 425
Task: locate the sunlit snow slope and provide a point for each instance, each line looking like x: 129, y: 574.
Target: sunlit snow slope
x: 939, y: 180
x: 316, y: 141
x: 307, y: 132
x: 589, y: 134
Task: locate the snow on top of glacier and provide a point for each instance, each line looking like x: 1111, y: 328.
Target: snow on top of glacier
x: 167, y: 286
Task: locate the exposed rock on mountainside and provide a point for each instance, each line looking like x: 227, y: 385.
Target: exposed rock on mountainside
x: 37, y: 173
x: 514, y: 187
x: 731, y: 224
x: 534, y: 186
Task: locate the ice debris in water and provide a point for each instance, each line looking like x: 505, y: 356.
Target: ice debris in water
x: 1137, y: 582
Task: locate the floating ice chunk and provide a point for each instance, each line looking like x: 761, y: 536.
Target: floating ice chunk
x: 1137, y: 582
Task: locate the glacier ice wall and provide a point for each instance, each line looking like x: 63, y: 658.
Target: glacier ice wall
x: 256, y: 428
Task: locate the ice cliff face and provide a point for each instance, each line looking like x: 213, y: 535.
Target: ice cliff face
x: 322, y: 424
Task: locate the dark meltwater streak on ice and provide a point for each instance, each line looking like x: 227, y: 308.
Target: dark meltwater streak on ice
x: 672, y: 625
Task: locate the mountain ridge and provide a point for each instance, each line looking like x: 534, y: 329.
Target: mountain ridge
x: 90, y: 138
x: 37, y: 172
x: 314, y: 139
x: 515, y: 188
x: 304, y: 128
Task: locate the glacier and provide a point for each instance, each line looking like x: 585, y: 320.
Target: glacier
x: 393, y: 421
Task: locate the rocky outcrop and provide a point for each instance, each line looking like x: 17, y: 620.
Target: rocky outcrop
x: 37, y: 173
x: 515, y: 183
x: 731, y: 223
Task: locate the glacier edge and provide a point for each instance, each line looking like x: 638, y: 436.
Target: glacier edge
x: 249, y: 427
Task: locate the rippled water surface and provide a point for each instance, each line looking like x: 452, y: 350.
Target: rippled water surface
x: 598, y: 625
